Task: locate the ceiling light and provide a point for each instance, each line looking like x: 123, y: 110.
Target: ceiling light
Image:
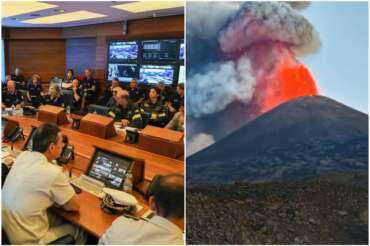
x: 68, y: 17
x: 145, y: 6
x: 19, y: 8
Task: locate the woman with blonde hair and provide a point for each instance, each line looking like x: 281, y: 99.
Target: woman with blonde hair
x: 54, y: 97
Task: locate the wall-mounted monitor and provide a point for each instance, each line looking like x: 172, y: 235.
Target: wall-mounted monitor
x: 120, y: 51
x: 159, y: 50
x: 153, y: 74
x: 182, y: 50
x: 181, y: 74
x: 124, y: 72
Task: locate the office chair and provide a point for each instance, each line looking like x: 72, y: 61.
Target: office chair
x: 4, y: 173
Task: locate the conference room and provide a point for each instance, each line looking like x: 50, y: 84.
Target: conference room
x: 92, y: 122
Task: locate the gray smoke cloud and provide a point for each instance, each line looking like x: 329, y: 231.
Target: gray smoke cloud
x: 216, y: 27
x: 219, y: 86
x: 198, y: 142
x: 268, y: 21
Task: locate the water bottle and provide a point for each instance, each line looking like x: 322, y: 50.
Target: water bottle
x: 68, y: 109
x: 127, y: 187
x: 13, y: 109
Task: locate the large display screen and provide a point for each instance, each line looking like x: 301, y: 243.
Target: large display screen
x: 109, y: 168
x: 119, y: 50
x: 153, y: 74
x: 124, y: 72
x: 181, y: 74
x: 159, y: 50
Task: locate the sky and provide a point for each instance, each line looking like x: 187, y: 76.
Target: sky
x: 340, y: 67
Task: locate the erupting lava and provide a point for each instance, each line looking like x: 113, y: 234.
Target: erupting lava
x: 281, y: 79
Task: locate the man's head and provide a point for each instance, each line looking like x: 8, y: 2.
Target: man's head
x: 88, y: 73
x: 180, y: 89
x: 153, y: 94
x: 10, y: 85
x: 48, y: 140
x: 133, y: 84
x: 17, y: 71
x: 75, y: 83
x: 122, y: 98
x: 115, y: 92
x: 115, y: 82
x: 168, y: 197
x: 161, y: 86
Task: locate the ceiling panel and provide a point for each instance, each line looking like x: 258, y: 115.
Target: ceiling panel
x: 103, y: 8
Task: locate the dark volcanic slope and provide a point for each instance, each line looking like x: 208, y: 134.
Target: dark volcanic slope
x: 304, y: 137
x: 325, y: 210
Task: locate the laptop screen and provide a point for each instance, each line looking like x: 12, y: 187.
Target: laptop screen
x: 109, y: 168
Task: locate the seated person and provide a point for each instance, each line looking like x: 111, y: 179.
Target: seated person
x: 176, y: 100
x: 108, y: 93
x: 11, y: 96
x: 126, y: 112
x: 34, y: 91
x: 163, y: 93
x: 135, y: 94
x: 19, y: 79
x: 113, y: 100
x: 164, y: 228
x: 154, y: 110
x: 67, y: 81
x: 54, y: 98
x: 32, y: 186
x: 177, y: 121
x: 77, y: 96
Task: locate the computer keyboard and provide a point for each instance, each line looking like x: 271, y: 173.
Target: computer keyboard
x: 88, y: 184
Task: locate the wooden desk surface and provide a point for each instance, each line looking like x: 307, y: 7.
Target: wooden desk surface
x: 84, y: 147
x: 91, y: 217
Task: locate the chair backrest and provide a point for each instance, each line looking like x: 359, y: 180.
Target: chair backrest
x: 4, y: 238
x: 95, y: 108
x: 4, y: 173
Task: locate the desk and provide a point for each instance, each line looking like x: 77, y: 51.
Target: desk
x: 91, y: 217
x: 84, y: 147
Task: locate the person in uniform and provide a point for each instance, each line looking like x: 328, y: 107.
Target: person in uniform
x: 32, y: 186
x: 89, y: 87
x: 77, y: 96
x: 177, y: 121
x: 113, y: 100
x: 19, y: 79
x: 135, y: 94
x: 67, y: 81
x: 126, y: 112
x: 54, y: 97
x: 163, y: 93
x: 11, y: 96
x: 176, y: 100
x: 164, y: 228
x: 34, y: 91
x: 153, y: 109
x: 108, y: 93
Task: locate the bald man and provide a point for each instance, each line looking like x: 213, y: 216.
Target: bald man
x: 164, y: 228
x: 11, y: 96
x: 19, y: 79
x: 113, y: 100
x: 125, y: 111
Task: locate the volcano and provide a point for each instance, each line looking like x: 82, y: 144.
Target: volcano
x: 304, y: 137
